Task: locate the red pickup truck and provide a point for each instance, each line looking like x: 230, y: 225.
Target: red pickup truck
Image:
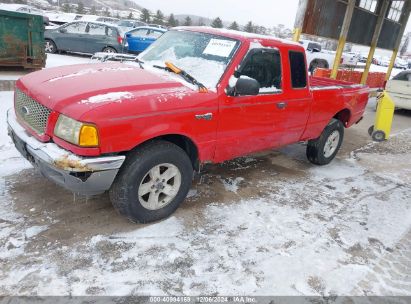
x: 197, y: 95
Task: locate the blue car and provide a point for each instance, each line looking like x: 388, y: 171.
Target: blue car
x: 142, y: 37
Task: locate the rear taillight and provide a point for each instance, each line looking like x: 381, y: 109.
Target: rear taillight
x: 120, y: 39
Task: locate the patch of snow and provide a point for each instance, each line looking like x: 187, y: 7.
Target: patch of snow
x: 192, y: 193
x: 35, y: 230
x: 108, y: 97
x: 207, y: 72
x: 10, y: 159
x: 270, y: 90
x: 257, y: 45
x: 168, y: 76
x: 91, y: 71
x: 247, y: 35
x: 337, y: 170
x: 320, y: 88
x: 232, y: 185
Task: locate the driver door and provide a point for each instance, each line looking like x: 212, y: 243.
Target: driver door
x: 71, y: 37
x: 252, y: 123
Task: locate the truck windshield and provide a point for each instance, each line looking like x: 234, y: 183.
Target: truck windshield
x: 202, y: 55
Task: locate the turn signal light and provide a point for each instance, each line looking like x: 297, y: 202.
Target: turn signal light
x: 88, y: 136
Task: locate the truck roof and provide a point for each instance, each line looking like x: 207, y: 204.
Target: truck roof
x: 242, y: 36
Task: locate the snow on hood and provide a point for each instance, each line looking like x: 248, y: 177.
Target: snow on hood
x: 114, y: 96
x: 91, y: 71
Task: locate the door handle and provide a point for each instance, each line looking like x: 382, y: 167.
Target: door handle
x: 207, y: 116
x: 281, y: 105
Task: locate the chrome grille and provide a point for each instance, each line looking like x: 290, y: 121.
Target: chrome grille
x: 32, y: 112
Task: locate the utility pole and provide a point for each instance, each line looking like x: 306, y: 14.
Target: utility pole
x: 343, y: 37
x: 374, y: 41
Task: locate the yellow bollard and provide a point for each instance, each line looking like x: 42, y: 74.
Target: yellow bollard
x: 381, y: 129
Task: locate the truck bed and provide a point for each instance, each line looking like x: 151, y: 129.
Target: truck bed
x: 340, y: 98
x: 321, y: 83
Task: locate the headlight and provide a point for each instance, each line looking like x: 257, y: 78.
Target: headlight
x: 75, y: 132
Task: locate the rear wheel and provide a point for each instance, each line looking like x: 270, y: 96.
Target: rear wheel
x: 321, y: 151
x: 109, y: 49
x: 50, y: 47
x: 153, y: 182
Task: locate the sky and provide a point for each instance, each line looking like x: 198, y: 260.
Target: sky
x: 242, y: 11
x: 262, y: 12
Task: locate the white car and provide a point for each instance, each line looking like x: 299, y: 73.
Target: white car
x: 60, y: 18
x: 399, y: 88
x: 385, y: 61
x: 401, y: 63
x: 318, y: 58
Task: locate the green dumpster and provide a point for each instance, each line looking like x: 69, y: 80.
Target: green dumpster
x: 21, y: 40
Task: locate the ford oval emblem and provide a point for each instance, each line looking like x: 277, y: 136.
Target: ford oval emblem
x: 25, y: 111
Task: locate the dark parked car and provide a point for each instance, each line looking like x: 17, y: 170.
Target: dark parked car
x: 84, y: 37
x: 142, y: 37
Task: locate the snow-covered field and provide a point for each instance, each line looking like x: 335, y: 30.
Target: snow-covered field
x: 270, y: 224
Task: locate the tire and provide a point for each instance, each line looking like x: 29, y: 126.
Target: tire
x: 50, y: 46
x: 321, y: 151
x: 109, y: 49
x: 127, y: 193
x: 378, y: 136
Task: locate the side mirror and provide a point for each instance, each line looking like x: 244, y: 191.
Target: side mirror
x: 128, y: 35
x: 63, y: 30
x: 246, y: 86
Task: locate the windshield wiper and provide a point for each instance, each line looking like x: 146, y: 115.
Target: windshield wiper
x: 187, y: 77
x: 103, y: 57
x: 140, y: 63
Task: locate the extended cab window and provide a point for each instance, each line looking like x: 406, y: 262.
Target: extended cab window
x: 298, y: 70
x: 263, y: 65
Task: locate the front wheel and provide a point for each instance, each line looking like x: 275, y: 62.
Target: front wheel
x: 153, y: 182
x: 321, y: 151
x: 50, y: 47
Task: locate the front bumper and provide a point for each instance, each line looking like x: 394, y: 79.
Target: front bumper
x: 81, y: 175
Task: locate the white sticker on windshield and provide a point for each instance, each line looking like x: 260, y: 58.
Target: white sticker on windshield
x: 219, y: 47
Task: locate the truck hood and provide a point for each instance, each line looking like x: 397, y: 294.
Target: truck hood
x: 76, y: 89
